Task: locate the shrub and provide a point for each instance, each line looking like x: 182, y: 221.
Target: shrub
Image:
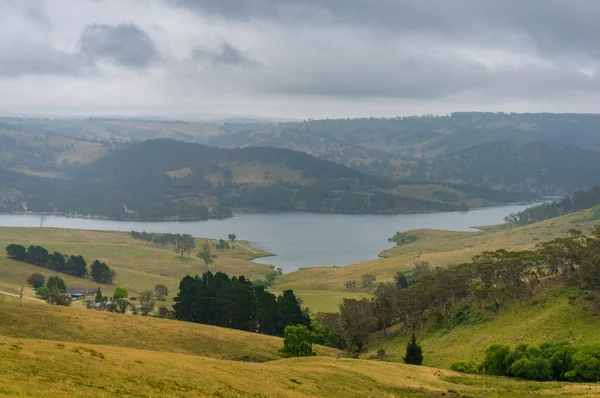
x: 495, y: 360
x: 532, y: 369
x: 468, y: 367
x: 297, y: 341
x: 36, y: 280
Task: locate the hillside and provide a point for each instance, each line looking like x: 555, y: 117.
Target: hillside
x: 167, y: 179
x: 533, y: 166
x: 411, y: 148
x: 557, y: 313
x: 139, y: 265
x: 32, y: 366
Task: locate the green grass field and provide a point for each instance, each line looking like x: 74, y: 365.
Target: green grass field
x: 48, y: 351
x: 547, y: 316
x: 139, y: 265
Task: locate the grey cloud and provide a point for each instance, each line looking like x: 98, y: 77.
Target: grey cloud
x: 32, y: 58
x: 550, y: 25
x: 226, y: 54
x: 125, y: 44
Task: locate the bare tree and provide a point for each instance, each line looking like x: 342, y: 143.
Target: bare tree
x: 42, y: 219
x: 21, y: 295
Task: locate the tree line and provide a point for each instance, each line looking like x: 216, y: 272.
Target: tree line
x: 234, y: 302
x: 73, y: 265
x: 183, y: 243
x: 580, y: 200
x: 447, y: 296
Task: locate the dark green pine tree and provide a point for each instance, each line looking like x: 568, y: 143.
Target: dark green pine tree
x: 99, y: 297
x: 414, y: 352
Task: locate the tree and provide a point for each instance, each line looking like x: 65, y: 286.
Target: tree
x: 205, y: 254
x: 120, y: 293
x: 36, y: 280
x: 161, y: 292
x: 357, y: 322
x: 422, y: 268
x: 16, y: 252
x: 350, y: 285
x: 289, y: 311
x: 494, y: 363
x: 58, y: 298
x: 37, y: 255
x: 42, y: 220
x: 297, y: 341
x: 401, y: 280
x: 232, y: 237
x: 57, y: 262
x: 414, y: 352
x: 43, y: 292
x: 367, y: 281
x: 146, y: 302
x: 56, y: 281
x: 77, y: 266
x: 102, y: 272
x: 99, y: 298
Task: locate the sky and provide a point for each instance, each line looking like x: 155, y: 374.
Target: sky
x: 198, y: 59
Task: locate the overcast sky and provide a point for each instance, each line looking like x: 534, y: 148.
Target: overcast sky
x: 298, y: 58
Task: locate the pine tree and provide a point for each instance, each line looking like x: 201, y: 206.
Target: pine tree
x: 414, y: 352
x: 99, y: 298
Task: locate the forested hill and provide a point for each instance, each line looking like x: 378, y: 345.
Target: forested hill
x: 539, y: 150
x: 535, y: 166
x: 167, y: 156
x: 167, y: 179
x: 580, y: 200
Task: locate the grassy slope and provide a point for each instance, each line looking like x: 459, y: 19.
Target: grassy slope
x: 139, y: 265
x: 42, y: 321
x: 548, y: 316
x: 439, y: 248
x: 49, y: 369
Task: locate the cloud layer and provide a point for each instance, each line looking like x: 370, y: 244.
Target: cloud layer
x: 298, y: 58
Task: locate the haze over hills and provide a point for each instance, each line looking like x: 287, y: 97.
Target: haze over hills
x: 519, y: 152
x: 167, y: 179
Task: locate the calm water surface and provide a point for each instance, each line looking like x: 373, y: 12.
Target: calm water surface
x: 299, y: 239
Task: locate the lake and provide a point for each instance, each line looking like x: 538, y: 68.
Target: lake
x: 299, y: 239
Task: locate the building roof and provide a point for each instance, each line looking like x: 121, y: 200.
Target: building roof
x: 76, y: 291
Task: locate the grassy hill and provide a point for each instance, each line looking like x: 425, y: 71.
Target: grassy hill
x: 557, y: 313
x: 165, y: 363
x: 139, y: 265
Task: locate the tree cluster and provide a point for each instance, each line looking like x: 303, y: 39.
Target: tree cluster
x: 554, y: 360
x: 183, y: 243
x: 53, y: 292
x: 491, y: 281
x: 72, y: 265
x: 234, y: 302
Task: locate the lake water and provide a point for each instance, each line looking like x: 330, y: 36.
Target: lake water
x: 299, y: 239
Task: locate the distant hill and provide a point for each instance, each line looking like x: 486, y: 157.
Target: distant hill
x: 167, y: 179
x: 402, y: 147
x: 542, y: 167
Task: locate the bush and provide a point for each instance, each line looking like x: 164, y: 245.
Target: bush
x: 468, y: 367
x: 297, y: 341
x: 495, y: 360
x: 532, y: 369
x: 36, y: 280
